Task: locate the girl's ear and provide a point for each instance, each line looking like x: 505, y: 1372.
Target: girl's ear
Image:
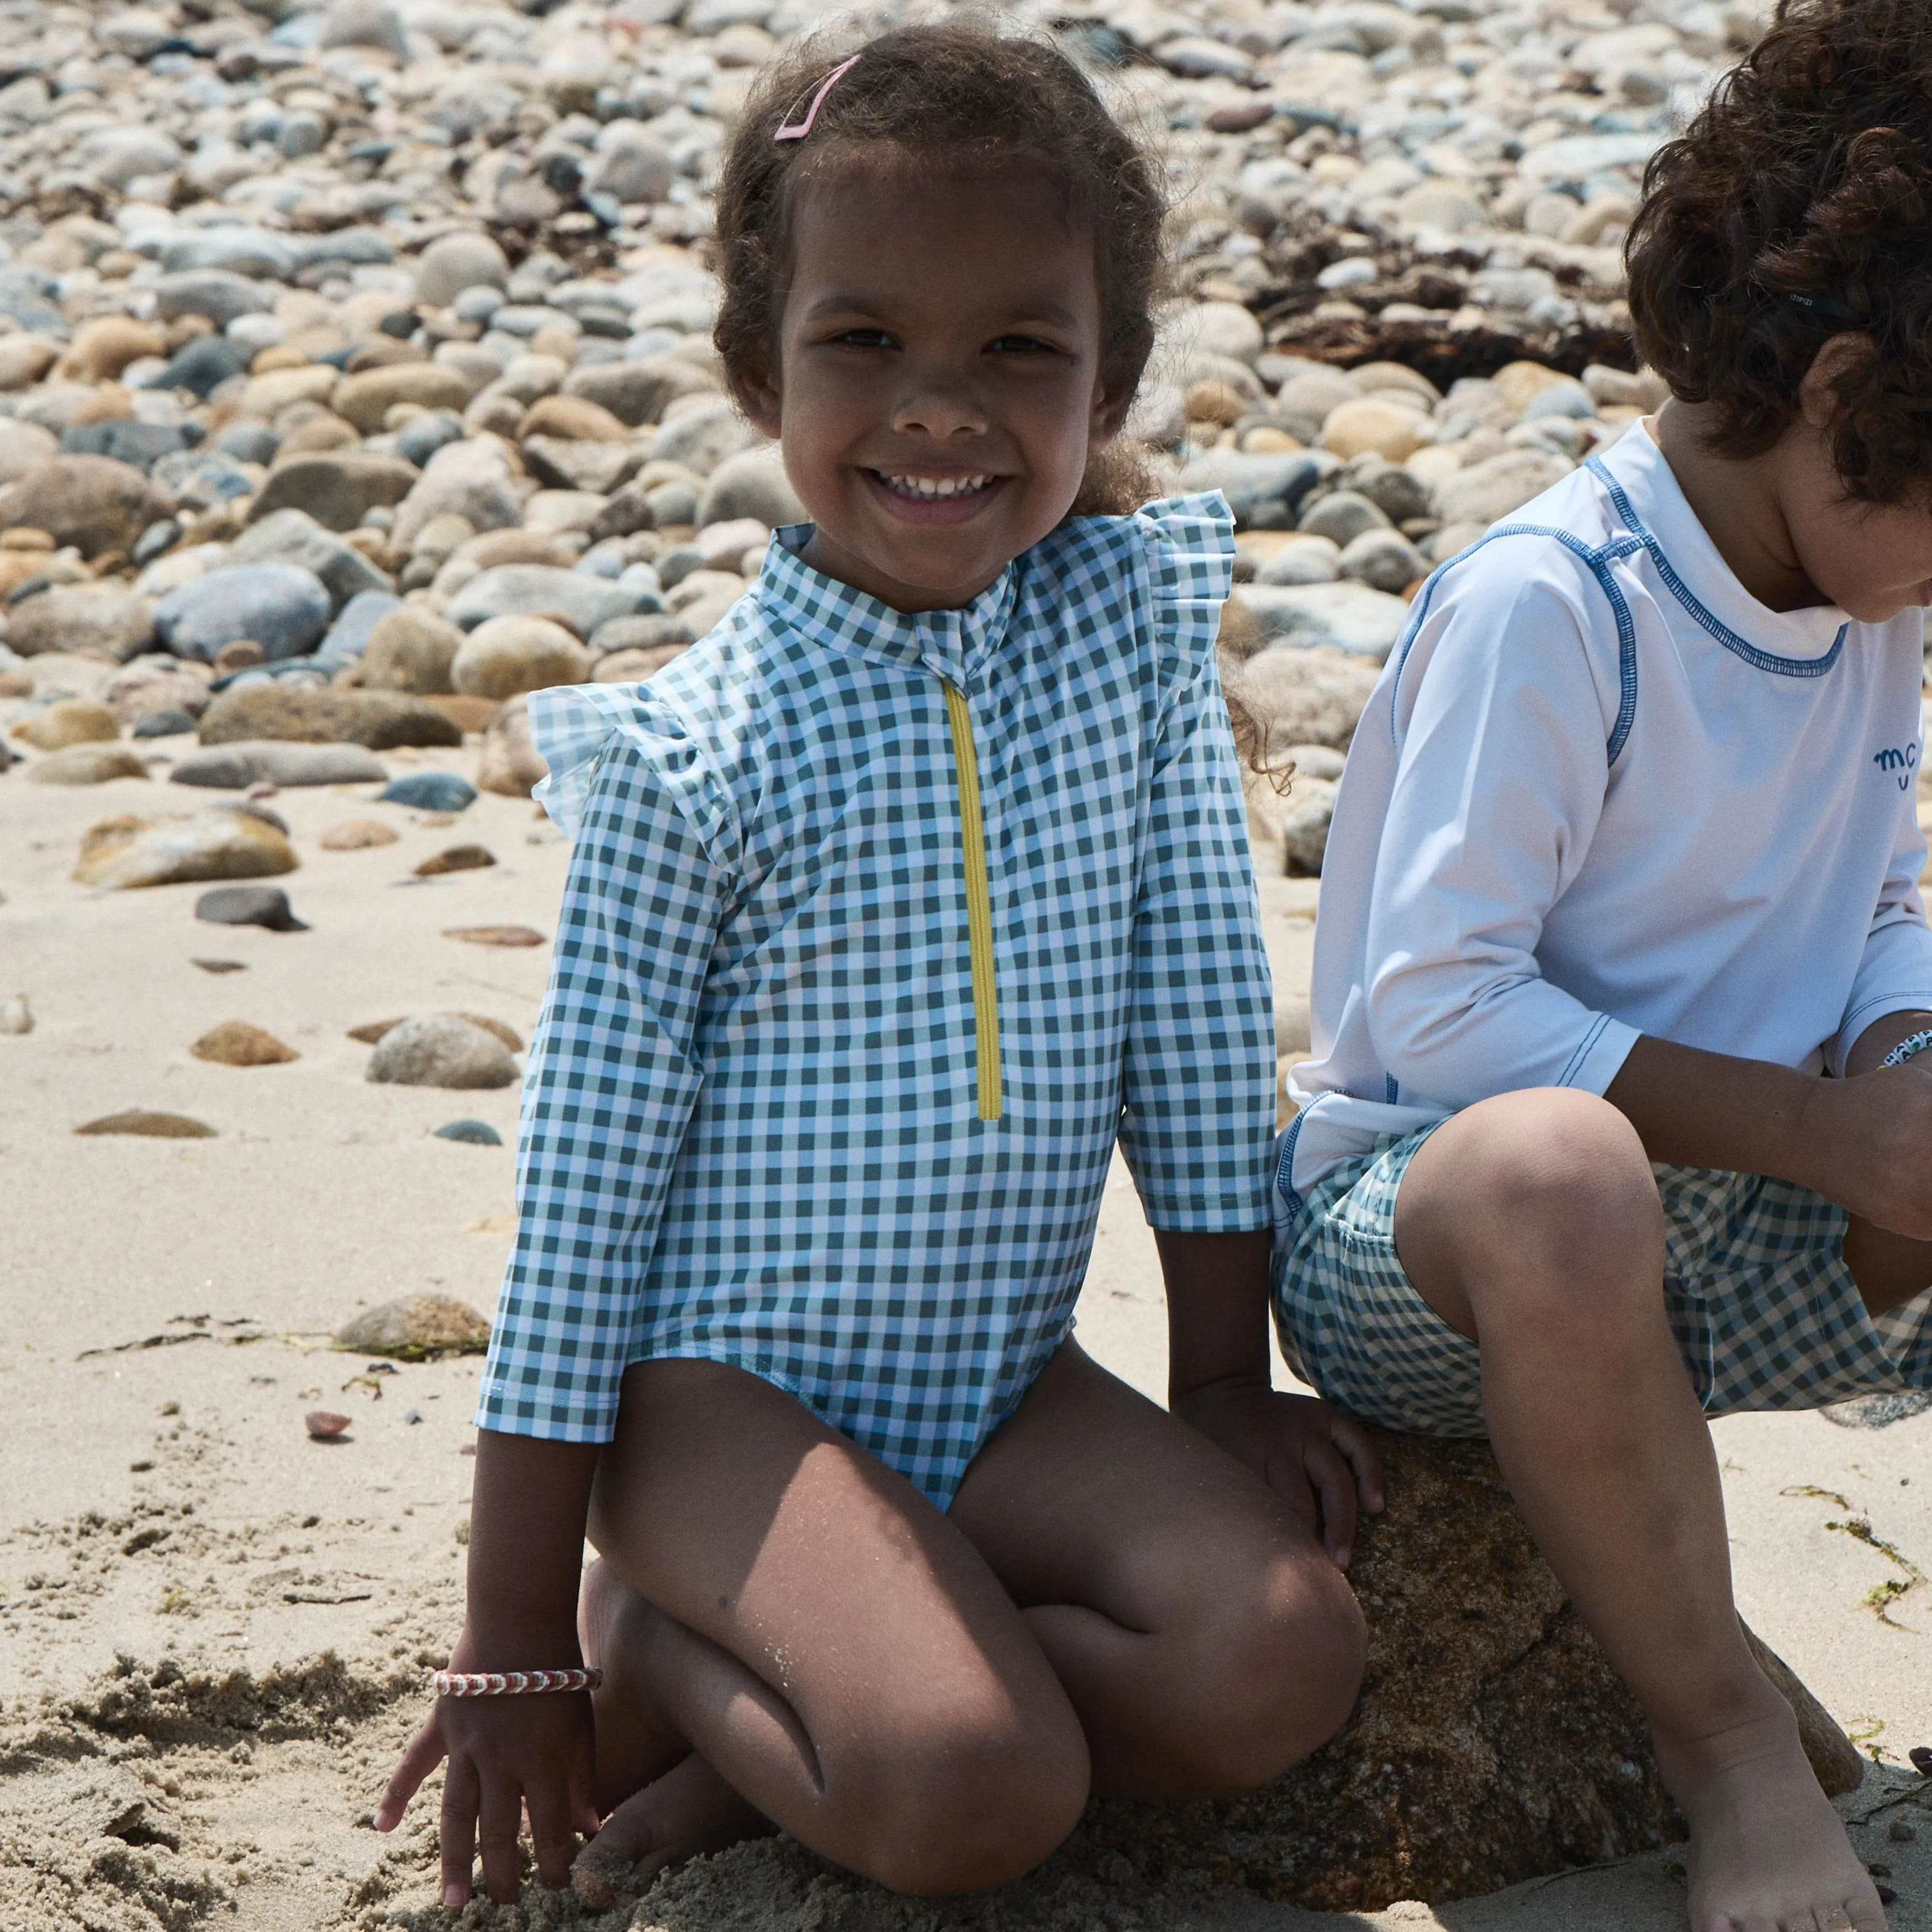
x: 1818, y: 401
x: 1111, y: 402
x: 756, y: 392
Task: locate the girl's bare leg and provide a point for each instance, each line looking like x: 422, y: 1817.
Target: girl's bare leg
x: 1531, y: 1222
x: 1202, y: 1633
x: 826, y: 1643
x: 795, y: 1624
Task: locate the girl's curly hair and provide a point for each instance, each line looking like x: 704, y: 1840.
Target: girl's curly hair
x: 957, y: 96
x: 1798, y: 206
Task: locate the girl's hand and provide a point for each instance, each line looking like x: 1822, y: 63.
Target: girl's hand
x: 508, y: 1757
x: 1318, y: 1461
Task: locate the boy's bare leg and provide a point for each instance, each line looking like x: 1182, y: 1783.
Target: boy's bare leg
x: 779, y: 1604
x: 1532, y: 1222
x: 1202, y: 1633
x: 1203, y: 1636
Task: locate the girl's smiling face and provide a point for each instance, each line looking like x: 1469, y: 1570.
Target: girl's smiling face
x: 938, y: 385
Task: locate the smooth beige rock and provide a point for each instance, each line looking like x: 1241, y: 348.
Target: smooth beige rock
x: 91, y: 502
x: 411, y: 649
x: 75, y: 721
x: 1521, y: 382
x: 511, y: 764
x: 575, y: 418
x: 505, y: 656
x: 365, y: 399
x: 1373, y: 424
x: 358, y: 834
x: 101, y: 349
x: 237, y: 1043
x: 266, y: 397
x: 440, y: 1050
x: 189, y: 848
x: 86, y: 764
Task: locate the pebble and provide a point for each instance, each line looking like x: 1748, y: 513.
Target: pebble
x: 495, y: 935
x: 74, y: 720
x: 86, y: 764
x: 441, y: 1050
x: 283, y: 607
x: 455, y: 859
x: 93, y: 503
x: 411, y: 648
x: 325, y: 1426
x: 249, y: 905
x: 430, y: 791
x: 511, y: 764
x: 380, y: 720
x: 16, y: 1016
x: 506, y: 656
x: 477, y: 1133
x: 357, y: 834
x: 189, y: 849
x: 246, y: 762
x: 536, y: 589
x: 237, y: 1043
x: 151, y: 1125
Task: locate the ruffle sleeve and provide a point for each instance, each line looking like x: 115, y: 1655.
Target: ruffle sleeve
x: 1190, y: 543
x: 572, y: 727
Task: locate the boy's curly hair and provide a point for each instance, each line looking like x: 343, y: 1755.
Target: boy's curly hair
x: 1797, y: 206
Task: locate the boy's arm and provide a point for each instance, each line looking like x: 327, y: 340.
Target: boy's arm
x: 1218, y: 1382
x: 1861, y: 1142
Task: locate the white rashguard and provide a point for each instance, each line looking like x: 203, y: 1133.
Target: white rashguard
x: 1600, y: 791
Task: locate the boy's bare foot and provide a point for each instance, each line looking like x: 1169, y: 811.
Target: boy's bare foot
x: 689, y: 1811
x: 1768, y: 1853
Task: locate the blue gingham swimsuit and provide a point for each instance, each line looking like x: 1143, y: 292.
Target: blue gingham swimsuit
x: 880, y: 930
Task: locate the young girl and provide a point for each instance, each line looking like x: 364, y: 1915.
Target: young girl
x: 895, y: 903
x: 1623, y: 871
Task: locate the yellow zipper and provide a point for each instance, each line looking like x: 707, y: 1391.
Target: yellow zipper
x: 979, y: 905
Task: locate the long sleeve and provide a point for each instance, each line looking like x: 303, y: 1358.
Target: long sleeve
x: 613, y: 1075
x: 1197, y: 1094
x: 1498, y: 788
x: 1894, y: 974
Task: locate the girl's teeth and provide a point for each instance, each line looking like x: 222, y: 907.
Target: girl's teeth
x: 938, y: 486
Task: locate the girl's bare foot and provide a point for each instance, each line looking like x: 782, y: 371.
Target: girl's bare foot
x: 1768, y: 1853
x: 689, y: 1811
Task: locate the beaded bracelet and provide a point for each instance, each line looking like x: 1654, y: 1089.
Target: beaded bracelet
x: 1908, y: 1049
x: 512, y: 1683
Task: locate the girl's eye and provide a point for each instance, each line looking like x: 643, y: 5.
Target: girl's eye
x: 863, y: 338
x: 1020, y: 345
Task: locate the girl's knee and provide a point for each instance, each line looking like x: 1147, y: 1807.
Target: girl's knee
x: 973, y: 1804
x: 1258, y: 1674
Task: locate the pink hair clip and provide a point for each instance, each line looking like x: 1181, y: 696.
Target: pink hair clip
x: 798, y: 130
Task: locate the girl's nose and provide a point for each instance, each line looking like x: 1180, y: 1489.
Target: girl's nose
x: 940, y: 409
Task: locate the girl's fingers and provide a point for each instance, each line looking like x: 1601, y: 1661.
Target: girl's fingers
x: 499, y: 1815
x: 459, y: 1796
x: 1352, y: 1439
x: 583, y: 1812
x: 424, y: 1753
x: 555, y: 1842
x: 1335, y: 1484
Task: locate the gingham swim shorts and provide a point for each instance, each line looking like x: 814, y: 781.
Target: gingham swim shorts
x: 1764, y: 1309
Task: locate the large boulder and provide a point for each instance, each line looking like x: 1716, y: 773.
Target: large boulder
x: 1492, y: 1742
x: 381, y: 720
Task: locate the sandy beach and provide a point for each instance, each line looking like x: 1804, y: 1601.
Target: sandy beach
x: 207, y: 1616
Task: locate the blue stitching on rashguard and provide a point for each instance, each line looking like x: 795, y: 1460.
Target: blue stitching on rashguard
x: 1582, y: 1052
x: 1759, y: 660
x: 1599, y: 560
x: 1284, y: 1172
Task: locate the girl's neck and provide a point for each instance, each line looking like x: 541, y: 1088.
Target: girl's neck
x: 1739, y: 502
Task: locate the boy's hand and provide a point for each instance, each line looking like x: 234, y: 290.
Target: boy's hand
x: 1870, y: 1139
x: 1318, y: 1461
x: 507, y: 1755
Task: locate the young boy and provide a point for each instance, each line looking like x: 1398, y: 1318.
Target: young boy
x: 1615, y: 1118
